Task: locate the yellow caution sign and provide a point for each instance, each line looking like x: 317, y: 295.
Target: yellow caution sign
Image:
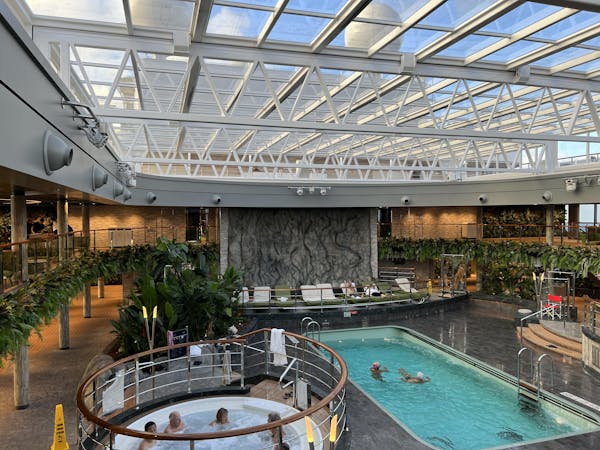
x: 60, y: 435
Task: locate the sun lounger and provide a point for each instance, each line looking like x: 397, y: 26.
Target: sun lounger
x: 325, y: 291
x: 262, y: 294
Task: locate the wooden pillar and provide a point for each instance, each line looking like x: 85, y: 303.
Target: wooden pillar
x: 549, y: 224
x: 85, y: 234
x: 100, y: 287
x: 62, y: 209
x: 18, y: 210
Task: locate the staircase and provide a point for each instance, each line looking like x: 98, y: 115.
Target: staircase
x: 541, y: 336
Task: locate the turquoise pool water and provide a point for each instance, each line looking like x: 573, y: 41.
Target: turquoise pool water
x: 463, y: 407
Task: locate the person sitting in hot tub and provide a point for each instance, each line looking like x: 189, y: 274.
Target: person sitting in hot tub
x: 222, y: 418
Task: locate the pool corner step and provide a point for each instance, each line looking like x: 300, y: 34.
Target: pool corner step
x: 541, y: 337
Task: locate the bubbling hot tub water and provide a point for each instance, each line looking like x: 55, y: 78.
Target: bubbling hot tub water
x: 244, y: 412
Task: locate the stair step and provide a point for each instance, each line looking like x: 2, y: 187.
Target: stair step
x: 535, y: 339
x: 559, y: 341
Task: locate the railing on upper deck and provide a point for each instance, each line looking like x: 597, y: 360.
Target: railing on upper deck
x: 591, y: 318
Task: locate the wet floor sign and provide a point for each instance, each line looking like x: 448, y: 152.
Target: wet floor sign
x: 60, y: 435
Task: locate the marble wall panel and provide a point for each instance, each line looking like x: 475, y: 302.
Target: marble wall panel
x: 291, y: 247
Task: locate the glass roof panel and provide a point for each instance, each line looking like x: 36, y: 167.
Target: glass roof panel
x: 591, y: 66
x: 241, y: 22
x: 416, y: 39
x: 454, y: 12
x: 593, y: 42
x: 162, y: 14
x: 318, y: 6
x: 514, y: 51
x: 469, y: 45
x: 568, y: 26
x: 255, y: 2
x: 294, y: 28
x: 562, y: 57
x: 520, y: 17
x: 101, y: 11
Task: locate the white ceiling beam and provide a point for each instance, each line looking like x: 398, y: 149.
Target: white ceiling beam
x: 268, y: 26
x: 521, y: 34
x: 350, y: 10
x: 200, y: 18
x: 203, y: 120
x: 419, y: 15
x: 479, y: 20
x: 128, y: 20
x: 568, y: 41
x: 434, y: 67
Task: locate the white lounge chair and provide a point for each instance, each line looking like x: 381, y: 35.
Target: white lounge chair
x: 262, y: 294
x: 310, y: 293
x: 325, y: 291
x: 404, y: 285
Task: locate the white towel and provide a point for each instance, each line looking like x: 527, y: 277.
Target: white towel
x: 277, y: 347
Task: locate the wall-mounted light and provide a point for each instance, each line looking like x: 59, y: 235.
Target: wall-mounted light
x: 118, y: 189
x: 311, y: 190
x: 99, y: 177
x: 483, y: 198
x: 405, y: 200
x: 571, y: 184
x: 216, y: 198
x: 127, y: 195
x: 547, y: 196
x: 150, y: 197
x: 57, y: 153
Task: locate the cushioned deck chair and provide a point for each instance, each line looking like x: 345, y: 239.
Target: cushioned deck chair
x: 325, y: 291
x: 310, y: 293
x: 405, y: 285
x: 262, y: 294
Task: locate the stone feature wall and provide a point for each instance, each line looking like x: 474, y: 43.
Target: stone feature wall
x: 436, y: 222
x: 291, y: 247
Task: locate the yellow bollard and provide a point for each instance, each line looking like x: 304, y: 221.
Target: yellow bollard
x: 60, y: 435
x: 429, y: 287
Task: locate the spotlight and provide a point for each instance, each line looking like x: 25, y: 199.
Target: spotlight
x: 118, y: 189
x: 99, y: 177
x: 216, y: 199
x: 483, y: 198
x: 571, y: 184
x: 150, y: 197
x: 547, y: 196
x: 323, y: 191
x: 57, y: 153
x: 405, y: 200
x: 127, y: 195
x: 300, y: 191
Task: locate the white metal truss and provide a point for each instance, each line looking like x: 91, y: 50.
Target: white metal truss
x: 264, y: 105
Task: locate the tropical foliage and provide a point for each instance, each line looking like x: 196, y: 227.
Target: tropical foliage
x: 177, y: 281
x: 505, y: 266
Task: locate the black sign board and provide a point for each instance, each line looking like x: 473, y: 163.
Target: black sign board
x: 179, y: 337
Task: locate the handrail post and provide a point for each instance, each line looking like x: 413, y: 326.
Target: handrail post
x: 242, y: 365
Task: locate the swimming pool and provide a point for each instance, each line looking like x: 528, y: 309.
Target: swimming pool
x: 243, y: 412
x: 467, y: 405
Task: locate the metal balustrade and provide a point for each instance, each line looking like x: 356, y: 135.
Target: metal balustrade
x: 153, y: 378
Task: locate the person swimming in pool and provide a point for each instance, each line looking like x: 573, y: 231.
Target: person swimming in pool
x: 417, y: 379
x: 377, y: 370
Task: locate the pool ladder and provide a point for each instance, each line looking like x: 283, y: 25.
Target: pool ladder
x: 528, y: 394
x: 312, y: 326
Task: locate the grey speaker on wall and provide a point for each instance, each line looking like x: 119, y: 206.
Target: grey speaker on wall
x: 118, y: 189
x: 405, y: 200
x: 150, y: 197
x: 127, y: 195
x: 99, y: 177
x: 547, y: 196
x: 57, y: 153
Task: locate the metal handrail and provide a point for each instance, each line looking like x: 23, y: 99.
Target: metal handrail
x: 529, y: 316
x: 316, y: 325
x: 92, y: 388
x: 539, y: 373
x: 519, y: 354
